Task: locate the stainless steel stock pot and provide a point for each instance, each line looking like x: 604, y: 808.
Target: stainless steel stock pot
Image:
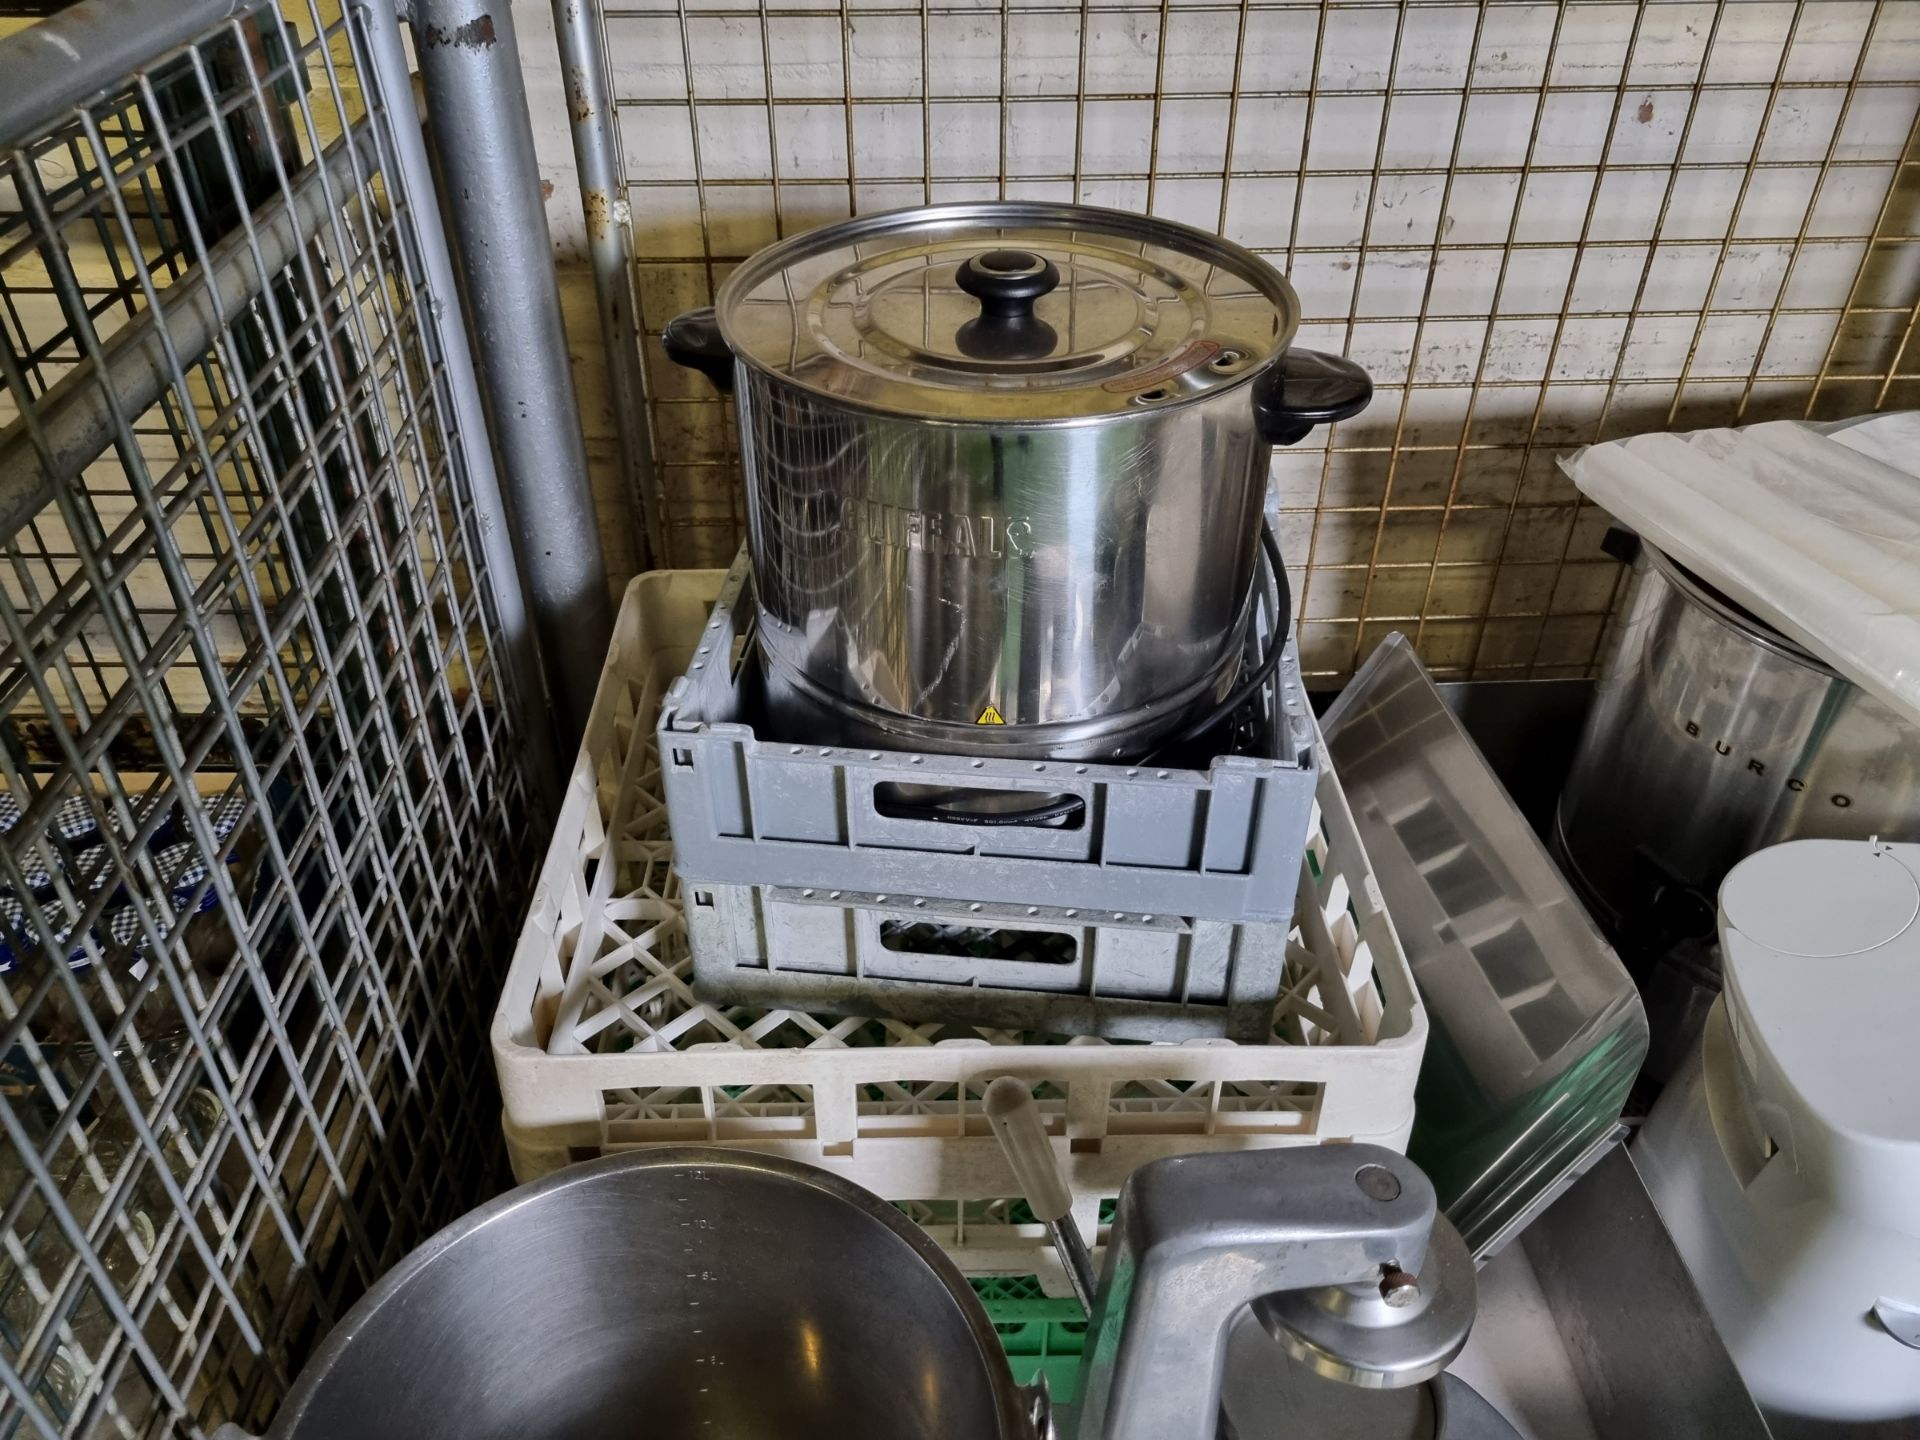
x: 1005, y: 464
x: 1712, y: 736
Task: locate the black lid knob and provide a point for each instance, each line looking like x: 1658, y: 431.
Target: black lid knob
x: 1006, y: 283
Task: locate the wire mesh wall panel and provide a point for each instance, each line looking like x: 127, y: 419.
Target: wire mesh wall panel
x: 264, y: 817
x: 1538, y: 224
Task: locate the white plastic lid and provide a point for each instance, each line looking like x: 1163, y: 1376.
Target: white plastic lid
x: 1816, y: 534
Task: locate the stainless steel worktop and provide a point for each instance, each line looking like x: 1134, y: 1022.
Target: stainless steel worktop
x: 1591, y: 1329
x: 1517, y: 1358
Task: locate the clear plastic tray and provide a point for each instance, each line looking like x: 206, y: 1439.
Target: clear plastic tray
x: 1537, y: 1029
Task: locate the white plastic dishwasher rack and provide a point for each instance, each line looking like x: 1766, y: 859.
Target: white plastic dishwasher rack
x: 601, y: 1044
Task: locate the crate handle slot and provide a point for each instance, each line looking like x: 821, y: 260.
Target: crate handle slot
x: 958, y: 805
x: 935, y: 938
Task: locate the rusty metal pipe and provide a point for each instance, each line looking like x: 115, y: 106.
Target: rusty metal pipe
x: 581, y: 33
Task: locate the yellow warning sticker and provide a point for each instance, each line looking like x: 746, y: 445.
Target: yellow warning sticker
x: 991, y: 716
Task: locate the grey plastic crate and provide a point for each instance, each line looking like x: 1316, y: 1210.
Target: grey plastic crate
x: 1223, y: 843
x: 1127, y: 975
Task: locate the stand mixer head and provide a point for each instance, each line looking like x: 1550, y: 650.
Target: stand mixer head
x: 1339, y: 1250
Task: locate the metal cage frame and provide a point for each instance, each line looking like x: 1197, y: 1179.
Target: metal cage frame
x: 1540, y: 223
x: 273, y: 762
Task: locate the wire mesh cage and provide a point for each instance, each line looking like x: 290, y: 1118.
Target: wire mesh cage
x: 1538, y: 224
x: 265, y: 806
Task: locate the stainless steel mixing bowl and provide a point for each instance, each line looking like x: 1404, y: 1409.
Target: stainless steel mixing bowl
x: 691, y: 1293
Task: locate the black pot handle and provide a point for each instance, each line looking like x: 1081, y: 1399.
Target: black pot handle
x: 1308, y: 388
x: 1006, y: 283
x: 694, y: 340
x: 1621, y: 544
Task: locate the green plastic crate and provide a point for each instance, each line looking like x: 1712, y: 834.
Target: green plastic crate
x: 1041, y: 1334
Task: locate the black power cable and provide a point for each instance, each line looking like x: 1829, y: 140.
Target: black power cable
x: 1060, y: 807
x: 1280, y: 597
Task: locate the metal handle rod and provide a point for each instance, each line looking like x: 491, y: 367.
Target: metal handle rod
x: 477, y: 104
x: 76, y: 421
x: 1016, y: 1124
x: 393, y: 92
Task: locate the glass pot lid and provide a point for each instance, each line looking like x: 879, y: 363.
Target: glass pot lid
x: 999, y: 311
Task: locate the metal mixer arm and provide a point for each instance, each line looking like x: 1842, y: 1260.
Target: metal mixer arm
x: 1198, y: 1238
